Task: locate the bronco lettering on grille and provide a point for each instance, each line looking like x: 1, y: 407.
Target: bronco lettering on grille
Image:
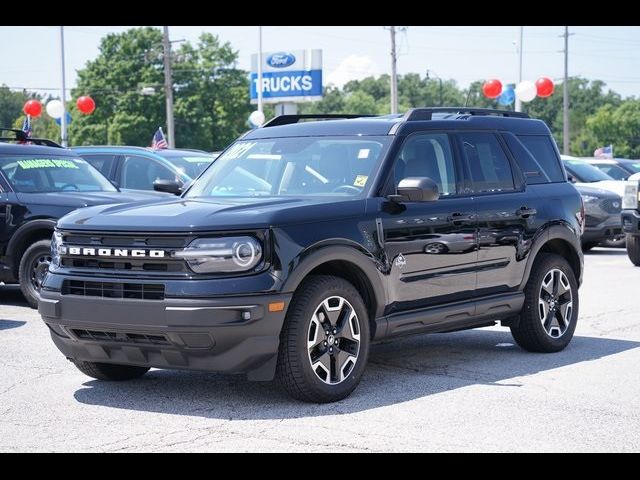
x: 111, y: 252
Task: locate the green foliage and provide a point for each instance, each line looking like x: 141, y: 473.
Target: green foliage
x: 610, y: 125
x: 11, y: 104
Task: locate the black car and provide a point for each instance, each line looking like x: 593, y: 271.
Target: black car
x: 307, y: 240
x: 138, y: 169
x: 39, y: 183
x: 603, y: 222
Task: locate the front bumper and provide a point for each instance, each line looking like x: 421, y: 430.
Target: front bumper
x: 631, y: 222
x: 610, y: 228
x: 227, y: 334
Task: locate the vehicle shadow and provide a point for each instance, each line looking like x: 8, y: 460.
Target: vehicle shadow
x: 606, y: 251
x: 11, y: 295
x: 398, y: 371
x: 8, y: 324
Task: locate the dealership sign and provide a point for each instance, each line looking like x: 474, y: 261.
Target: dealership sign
x: 288, y: 76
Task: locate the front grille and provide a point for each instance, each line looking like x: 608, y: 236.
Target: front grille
x: 139, y: 291
x: 608, y: 205
x: 119, y: 337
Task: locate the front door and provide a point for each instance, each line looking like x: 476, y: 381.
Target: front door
x: 431, y: 247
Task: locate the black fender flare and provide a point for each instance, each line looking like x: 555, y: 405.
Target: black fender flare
x: 558, y: 231
x: 21, y: 233
x: 309, y: 261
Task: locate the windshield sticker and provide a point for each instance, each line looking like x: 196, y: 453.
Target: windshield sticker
x: 239, y: 149
x: 46, y: 163
x: 264, y: 156
x: 361, y: 181
x: 199, y: 159
x: 363, y: 153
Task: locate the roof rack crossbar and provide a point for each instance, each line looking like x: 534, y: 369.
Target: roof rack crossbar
x: 21, y: 136
x: 289, y: 119
x: 417, y: 114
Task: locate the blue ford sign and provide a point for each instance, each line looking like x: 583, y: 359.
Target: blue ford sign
x: 281, y: 60
x: 288, y: 76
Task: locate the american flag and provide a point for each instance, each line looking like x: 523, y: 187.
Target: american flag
x: 604, y: 152
x: 26, y: 127
x: 159, y: 141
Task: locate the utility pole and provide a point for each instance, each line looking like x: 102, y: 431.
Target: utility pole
x: 565, y: 95
x: 63, y: 119
x: 259, y: 86
x: 394, y: 75
x: 168, y: 87
x: 518, y: 102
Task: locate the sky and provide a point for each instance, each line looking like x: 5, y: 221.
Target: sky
x: 30, y: 55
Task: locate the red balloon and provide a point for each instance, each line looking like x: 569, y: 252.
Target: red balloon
x: 33, y: 108
x: 545, y: 87
x: 492, y: 88
x: 86, y: 104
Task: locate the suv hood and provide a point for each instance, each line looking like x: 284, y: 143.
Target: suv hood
x: 615, y: 186
x: 82, y: 199
x: 211, y: 214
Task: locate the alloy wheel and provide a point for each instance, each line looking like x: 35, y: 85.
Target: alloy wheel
x: 555, y: 303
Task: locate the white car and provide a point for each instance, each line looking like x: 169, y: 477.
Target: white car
x: 583, y: 173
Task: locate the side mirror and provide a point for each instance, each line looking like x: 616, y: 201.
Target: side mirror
x: 571, y: 178
x: 417, y: 189
x: 168, y: 186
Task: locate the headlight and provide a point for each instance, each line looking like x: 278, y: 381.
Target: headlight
x: 56, y: 242
x: 589, y: 199
x: 222, y: 255
x: 630, y: 198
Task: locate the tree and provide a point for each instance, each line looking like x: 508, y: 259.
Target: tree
x: 11, y: 104
x: 211, y: 99
x: 610, y: 125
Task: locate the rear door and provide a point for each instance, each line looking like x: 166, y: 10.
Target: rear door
x: 507, y: 214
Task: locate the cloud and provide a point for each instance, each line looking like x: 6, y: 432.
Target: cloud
x: 354, y: 67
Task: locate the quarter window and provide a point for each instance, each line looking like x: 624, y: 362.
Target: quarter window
x: 489, y: 166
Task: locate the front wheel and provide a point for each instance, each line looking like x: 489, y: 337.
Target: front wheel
x: 550, y: 311
x: 324, y: 343
x: 34, y: 265
x: 633, y: 249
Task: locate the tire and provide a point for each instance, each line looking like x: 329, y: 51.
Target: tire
x: 586, y: 246
x: 307, y: 318
x: 529, y: 332
x: 110, y: 372
x: 633, y: 249
x: 32, y: 270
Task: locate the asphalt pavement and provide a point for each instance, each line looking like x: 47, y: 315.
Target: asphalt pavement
x: 465, y: 391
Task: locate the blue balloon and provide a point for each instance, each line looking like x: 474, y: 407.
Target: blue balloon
x: 507, y: 97
x: 59, y: 120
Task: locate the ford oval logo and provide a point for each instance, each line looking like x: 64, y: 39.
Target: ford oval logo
x: 281, y: 60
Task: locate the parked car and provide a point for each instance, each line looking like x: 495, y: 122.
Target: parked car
x: 305, y: 241
x: 631, y: 218
x: 616, y: 168
x: 580, y: 171
x: 39, y: 183
x: 603, y: 222
x: 138, y: 168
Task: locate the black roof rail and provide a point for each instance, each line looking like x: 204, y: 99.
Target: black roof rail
x: 289, y: 119
x: 21, y: 136
x: 416, y: 114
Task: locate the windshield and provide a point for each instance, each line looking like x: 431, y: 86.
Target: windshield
x: 585, y: 172
x: 328, y: 166
x: 632, y: 166
x: 614, y: 171
x: 43, y: 174
x: 190, y: 166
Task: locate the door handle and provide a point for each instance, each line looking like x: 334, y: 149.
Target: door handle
x: 458, y: 218
x: 526, y: 212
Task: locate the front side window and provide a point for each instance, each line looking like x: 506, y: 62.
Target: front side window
x: 428, y: 155
x: 583, y: 172
x: 44, y: 174
x: 101, y: 162
x: 298, y: 166
x: 139, y: 173
x: 489, y: 166
x: 614, y: 171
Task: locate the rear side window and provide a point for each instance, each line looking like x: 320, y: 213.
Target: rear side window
x: 489, y: 166
x: 102, y: 162
x: 544, y: 152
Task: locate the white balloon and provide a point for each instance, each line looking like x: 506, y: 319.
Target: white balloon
x: 256, y: 118
x: 526, y: 91
x: 55, y: 109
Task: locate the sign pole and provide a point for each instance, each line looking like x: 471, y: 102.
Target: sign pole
x: 63, y: 119
x: 259, y: 86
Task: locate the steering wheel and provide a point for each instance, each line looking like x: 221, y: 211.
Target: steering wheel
x: 70, y: 185
x: 347, y: 189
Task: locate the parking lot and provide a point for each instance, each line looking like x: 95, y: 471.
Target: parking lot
x: 466, y: 391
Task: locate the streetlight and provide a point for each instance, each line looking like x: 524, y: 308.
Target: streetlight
x: 439, y: 80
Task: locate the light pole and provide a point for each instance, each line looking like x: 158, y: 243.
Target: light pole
x: 440, y: 81
x: 519, y: 49
x: 63, y: 119
x: 259, y: 86
x: 168, y: 87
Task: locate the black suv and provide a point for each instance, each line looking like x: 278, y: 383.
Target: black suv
x: 39, y: 183
x: 306, y: 241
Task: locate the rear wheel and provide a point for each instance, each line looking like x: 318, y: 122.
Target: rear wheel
x: 633, y: 249
x: 110, y: 372
x: 34, y: 265
x: 324, y: 344
x: 550, y: 313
